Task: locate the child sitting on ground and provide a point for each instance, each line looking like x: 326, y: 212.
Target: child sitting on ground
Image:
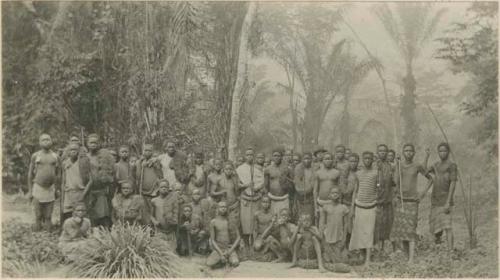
x: 74, y: 232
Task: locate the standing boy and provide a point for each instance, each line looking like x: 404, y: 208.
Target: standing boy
x: 304, y: 186
x: 123, y: 168
x: 406, y: 208
x: 325, y: 179
x: 147, y: 174
x: 165, y: 212
x: 252, y: 181
x: 199, y: 173
x: 365, y: 198
x: 278, y: 179
x: 445, y: 181
x: 385, y: 216
x: 228, y: 189
x: 43, y: 174
x: 76, y: 180
x: 348, y: 194
x: 189, y: 228
x: 332, y: 227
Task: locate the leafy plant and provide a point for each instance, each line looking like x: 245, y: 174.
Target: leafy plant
x: 125, y: 252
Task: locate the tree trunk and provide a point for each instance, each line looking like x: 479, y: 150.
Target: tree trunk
x: 344, y: 130
x: 240, y: 79
x: 408, y: 106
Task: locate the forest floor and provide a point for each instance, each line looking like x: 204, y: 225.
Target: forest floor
x: 430, y: 261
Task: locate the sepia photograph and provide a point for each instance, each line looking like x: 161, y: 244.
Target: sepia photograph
x: 237, y: 139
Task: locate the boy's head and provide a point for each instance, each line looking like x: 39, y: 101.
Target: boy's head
x: 198, y: 157
x: 178, y: 188
x: 187, y: 210
x: 222, y: 208
x: 74, y: 149
x: 334, y: 194
x: 45, y: 141
x: 277, y: 155
x: 367, y: 159
x: 382, y: 151
x: 249, y: 155
x: 240, y: 160
x: 80, y: 210
x: 353, y: 161
x: 409, y: 151
x: 284, y: 216
x: 305, y: 220
x: 126, y: 188
x: 228, y: 169
x: 164, y: 187
x: 296, y: 159
x: 74, y: 139
x: 443, y: 150
x: 260, y: 159
x: 265, y: 203
x: 196, y: 195
x: 287, y: 156
x: 124, y: 152
x: 93, y: 142
x: 327, y: 159
x: 307, y: 159
x: 147, y: 151
x: 217, y: 164
x: 391, y: 155
x: 170, y: 147
x: 348, y: 152
x: 339, y: 152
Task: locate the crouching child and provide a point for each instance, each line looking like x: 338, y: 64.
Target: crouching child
x: 74, y: 232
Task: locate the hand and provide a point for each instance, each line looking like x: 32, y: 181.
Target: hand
x: 187, y: 225
x: 156, y: 223
x: 447, y: 208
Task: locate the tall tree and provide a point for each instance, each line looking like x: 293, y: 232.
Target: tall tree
x: 241, y: 76
x: 410, y: 27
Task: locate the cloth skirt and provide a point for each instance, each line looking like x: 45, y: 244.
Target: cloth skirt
x: 405, y: 222
x: 439, y: 220
x: 363, y: 228
x: 384, y: 221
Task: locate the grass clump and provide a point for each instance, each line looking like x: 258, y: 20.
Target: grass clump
x: 127, y: 251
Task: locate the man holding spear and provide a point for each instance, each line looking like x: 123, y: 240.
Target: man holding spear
x: 406, y: 208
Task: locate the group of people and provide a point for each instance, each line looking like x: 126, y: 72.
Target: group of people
x: 310, y: 209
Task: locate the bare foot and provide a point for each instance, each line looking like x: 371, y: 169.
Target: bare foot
x: 367, y: 264
x: 293, y: 265
x: 322, y: 270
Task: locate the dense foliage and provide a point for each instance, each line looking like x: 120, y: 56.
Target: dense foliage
x: 471, y: 46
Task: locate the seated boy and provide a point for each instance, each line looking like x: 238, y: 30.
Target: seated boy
x: 127, y: 206
x: 224, y: 245
x: 74, y: 232
x: 306, y: 244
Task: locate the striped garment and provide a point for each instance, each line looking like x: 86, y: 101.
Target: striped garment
x: 367, y: 190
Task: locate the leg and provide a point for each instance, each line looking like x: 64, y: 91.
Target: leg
x: 37, y: 209
x: 296, y: 247
x: 274, y: 246
x: 406, y: 247
x: 213, y: 259
x: 449, y: 238
x: 47, y: 209
x: 317, y: 249
x: 368, y: 256
x: 411, y: 251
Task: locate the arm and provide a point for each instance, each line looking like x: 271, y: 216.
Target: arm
x: 315, y: 232
x: 236, y: 243
x: 295, y: 233
x: 315, y: 182
x: 426, y: 159
x: 31, y: 174
x: 153, y: 213
x: 354, y: 195
x: 255, y: 221
x: 266, y: 180
x: 267, y: 231
x: 214, y: 193
x: 322, y: 220
x: 453, y: 184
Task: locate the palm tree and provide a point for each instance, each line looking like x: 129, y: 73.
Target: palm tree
x: 410, y: 28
